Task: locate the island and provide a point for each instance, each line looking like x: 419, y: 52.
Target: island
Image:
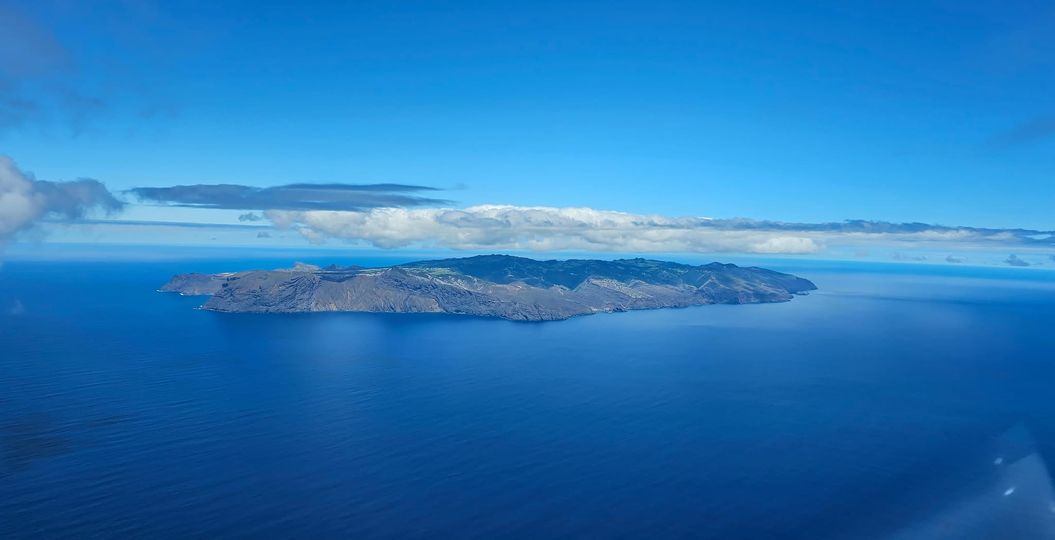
x: 503, y: 286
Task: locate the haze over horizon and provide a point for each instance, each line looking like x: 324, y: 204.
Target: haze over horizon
x: 605, y: 128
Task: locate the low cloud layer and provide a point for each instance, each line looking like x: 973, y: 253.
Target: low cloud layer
x: 343, y: 197
x: 395, y: 215
x: 24, y: 200
x: 898, y: 256
x: 1015, y: 260
x: 586, y: 229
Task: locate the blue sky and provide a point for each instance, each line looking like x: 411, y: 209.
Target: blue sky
x: 933, y: 112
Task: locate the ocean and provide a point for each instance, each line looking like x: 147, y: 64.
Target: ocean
x: 897, y: 401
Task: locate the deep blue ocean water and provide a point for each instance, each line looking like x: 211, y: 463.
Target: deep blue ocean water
x: 863, y: 410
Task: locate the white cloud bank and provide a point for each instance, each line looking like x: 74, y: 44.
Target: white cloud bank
x: 590, y: 230
x: 24, y: 200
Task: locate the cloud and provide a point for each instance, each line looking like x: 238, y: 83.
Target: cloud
x: 250, y: 216
x: 24, y: 200
x: 587, y: 229
x: 1034, y: 130
x: 153, y: 223
x: 52, y: 77
x: 39, y: 75
x: 954, y: 260
x: 29, y: 49
x: 346, y: 197
x: 898, y: 256
x: 263, y: 234
x: 532, y: 228
x: 1014, y: 260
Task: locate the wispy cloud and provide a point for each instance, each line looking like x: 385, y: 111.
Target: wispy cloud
x: 155, y: 223
x: 29, y: 49
x: 24, y: 200
x: 38, y: 75
x: 1031, y: 131
x: 345, y: 197
x: 1015, y: 260
x: 898, y: 256
x: 587, y: 229
x: 49, y: 78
